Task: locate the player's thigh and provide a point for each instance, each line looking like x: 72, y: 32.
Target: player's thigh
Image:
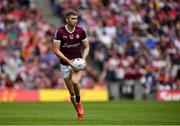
x: 68, y: 81
x: 76, y: 76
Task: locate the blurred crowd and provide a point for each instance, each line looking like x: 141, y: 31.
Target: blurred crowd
x: 132, y: 40
x: 26, y: 60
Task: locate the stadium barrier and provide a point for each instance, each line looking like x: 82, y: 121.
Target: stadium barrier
x: 172, y: 95
x: 50, y: 95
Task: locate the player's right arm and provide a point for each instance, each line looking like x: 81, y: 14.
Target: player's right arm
x: 55, y: 47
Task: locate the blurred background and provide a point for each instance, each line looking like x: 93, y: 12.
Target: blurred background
x: 135, y: 49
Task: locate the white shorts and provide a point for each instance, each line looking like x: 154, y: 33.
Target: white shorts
x: 66, y: 70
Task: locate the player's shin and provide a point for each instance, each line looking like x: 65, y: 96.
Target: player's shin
x: 73, y: 100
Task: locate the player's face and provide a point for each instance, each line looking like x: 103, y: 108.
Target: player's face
x: 72, y: 20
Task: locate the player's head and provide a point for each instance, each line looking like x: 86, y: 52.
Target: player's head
x: 71, y: 17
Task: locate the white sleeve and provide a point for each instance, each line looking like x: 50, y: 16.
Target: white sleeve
x: 55, y: 41
x: 84, y: 39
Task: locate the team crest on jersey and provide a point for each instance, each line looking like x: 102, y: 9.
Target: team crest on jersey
x: 77, y: 36
x: 71, y: 36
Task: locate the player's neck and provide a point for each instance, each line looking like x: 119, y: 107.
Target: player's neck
x: 69, y: 28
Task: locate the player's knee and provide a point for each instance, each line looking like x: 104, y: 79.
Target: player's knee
x: 75, y: 81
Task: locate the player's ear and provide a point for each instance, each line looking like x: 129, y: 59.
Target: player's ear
x: 66, y: 20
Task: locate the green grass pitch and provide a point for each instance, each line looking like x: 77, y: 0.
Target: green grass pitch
x: 96, y: 113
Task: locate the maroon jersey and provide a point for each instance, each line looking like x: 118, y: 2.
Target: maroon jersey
x: 70, y: 42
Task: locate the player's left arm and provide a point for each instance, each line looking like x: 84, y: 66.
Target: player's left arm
x: 85, y: 45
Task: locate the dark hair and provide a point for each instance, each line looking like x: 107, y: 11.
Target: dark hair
x: 70, y: 12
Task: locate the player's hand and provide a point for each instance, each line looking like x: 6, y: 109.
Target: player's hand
x: 85, y: 62
x: 72, y: 66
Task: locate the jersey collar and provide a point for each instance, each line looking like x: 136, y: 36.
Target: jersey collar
x: 68, y: 30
